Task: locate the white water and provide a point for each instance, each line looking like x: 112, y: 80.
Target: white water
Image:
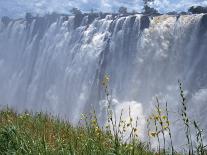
x: 49, y: 65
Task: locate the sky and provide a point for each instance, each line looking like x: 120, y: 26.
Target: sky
x: 18, y: 8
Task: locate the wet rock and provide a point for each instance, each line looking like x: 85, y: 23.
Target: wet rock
x: 5, y: 20
x: 78, y: 19
x: 92, y: 17
x: 204, y: 21
x: 65, y: 18
x: 144, y: 22
x: 183, y: 13
x: 172, y: 13
x: 132, y: 20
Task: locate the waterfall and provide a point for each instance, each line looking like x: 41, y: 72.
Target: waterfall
x: 56, y: 63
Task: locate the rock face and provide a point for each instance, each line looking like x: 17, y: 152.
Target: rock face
x: 77, y: 20
x: 144, y: 22
x: 197, y: 10
x: 5, y: 20
x: 204, y: 21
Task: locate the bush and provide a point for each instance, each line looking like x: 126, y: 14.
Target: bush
x: 123, y: 10
x: 197, y: 10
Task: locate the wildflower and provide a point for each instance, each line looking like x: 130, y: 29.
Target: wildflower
x: 153, y: 134
x: 105, y: 80
x: 164, y: 117
x: 93, y: 121
x: 165, y: 127
x: 97, y: 129
x: 156, y: 117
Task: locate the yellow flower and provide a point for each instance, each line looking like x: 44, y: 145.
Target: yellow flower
x: 165, y: 127
x: 164, y: 117
x: 156, y: 117
x: 93, y: 121
x: 97, y: 129
x: 105, y: 80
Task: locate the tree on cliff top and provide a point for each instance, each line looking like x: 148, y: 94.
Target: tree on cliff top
x: 147, y: 1
x: 75, y: 11
x: 147, y: 9
x: 123, y: 10
x: 197, y: 9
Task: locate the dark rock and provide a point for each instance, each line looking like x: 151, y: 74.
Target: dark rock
x: 183, y: 13
x: 5, y: 20
x: 204, y: 21
x: 132, y: 20
x: 41, y: 24
x: 203, y: 27
x: 92, y: 17
x: 144, y: 22
x: 111, y: 27
x: 78, y: 19
x: 172, y: 13
x: 65, y: 18
x: 28, y: 17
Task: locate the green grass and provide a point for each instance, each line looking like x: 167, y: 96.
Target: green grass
x: 44, y: 135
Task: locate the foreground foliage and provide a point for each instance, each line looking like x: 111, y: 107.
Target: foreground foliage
x: 43, y: 134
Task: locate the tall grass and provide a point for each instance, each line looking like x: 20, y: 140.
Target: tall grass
x: 42, y: 134
x: 33, y: 134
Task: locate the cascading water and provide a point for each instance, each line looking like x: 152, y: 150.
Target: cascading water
x: 56, y: 63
